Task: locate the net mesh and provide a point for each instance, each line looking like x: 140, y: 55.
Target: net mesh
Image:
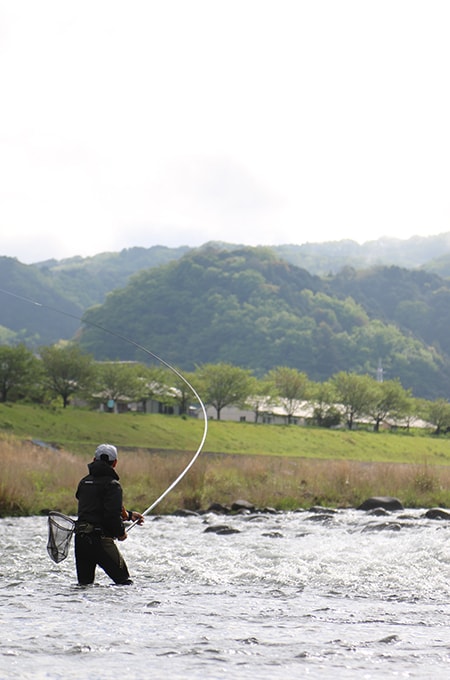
x: 60, y: 531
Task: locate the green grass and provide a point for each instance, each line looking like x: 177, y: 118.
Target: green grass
x: 79, y: 431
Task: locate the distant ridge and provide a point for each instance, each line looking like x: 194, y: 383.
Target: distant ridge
x: 318, y: 258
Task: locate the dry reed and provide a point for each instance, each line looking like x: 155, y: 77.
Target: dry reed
x: 35, y: 479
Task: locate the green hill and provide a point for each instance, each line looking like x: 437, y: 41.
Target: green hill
x: 33, y: 324
x: 249, y: 308
x: 88, y: 280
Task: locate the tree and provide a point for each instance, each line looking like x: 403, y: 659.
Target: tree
x: 355, y: 393
x: 181, y: 393
x: 223, y: 385
x: 67, y: 370
x: 325, y: 411
x: 262, y: 396
x: 153, y: 385
x: 19, y: 372
x: 116, y: 380
x: 292, y: 388
x: 413, y: 412
x: 389, y: 399
x: 439, y: 414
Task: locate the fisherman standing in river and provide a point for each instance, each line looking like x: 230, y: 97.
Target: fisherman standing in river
x: 101, y: 516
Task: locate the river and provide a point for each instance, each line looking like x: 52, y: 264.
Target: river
x: 292, y: 595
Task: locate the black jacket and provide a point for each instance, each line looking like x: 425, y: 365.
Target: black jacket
x: 100, y: 499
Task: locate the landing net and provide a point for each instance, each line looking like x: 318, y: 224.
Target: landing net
x: 60, y: 531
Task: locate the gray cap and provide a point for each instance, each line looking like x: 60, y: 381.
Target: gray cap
x: 107, y: 449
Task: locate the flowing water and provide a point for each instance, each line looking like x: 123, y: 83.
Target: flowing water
x: 294, y: 595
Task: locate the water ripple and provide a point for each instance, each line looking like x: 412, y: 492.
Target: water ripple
x: 281, y: 596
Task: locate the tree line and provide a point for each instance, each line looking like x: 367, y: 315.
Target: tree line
x: 63, y: 372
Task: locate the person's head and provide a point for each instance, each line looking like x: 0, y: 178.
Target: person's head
x: 107, y: 453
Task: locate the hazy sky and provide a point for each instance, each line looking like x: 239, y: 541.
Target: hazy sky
x: 248, y: 121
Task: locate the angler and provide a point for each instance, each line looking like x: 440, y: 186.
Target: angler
x: 101, y: 516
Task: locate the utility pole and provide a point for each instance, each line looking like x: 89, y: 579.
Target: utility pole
x: 379, y: 372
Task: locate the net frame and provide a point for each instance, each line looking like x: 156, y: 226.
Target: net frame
x: 60, y: 532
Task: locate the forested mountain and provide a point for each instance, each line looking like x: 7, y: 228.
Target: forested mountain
x: 439, y: 265
x: 332, y: 256
x: 248, y: 306
x: 22, y: 321
x: 251, y: 309
x: 70, y: 285
x: 84, y: 282
x: 87, y: 280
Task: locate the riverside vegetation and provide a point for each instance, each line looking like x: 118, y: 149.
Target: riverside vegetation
x: 44, y: 452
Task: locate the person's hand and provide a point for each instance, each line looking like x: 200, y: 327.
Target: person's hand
x: 122, y: 538
x: 137, y: 517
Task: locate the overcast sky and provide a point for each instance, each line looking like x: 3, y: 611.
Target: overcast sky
x: 177, y: 122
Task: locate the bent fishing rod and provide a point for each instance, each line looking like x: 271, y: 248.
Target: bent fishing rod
x: 140, y: 347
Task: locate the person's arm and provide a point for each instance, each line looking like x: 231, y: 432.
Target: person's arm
x: 132, y: 516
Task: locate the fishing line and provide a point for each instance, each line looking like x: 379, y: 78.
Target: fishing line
x: 154, y: 356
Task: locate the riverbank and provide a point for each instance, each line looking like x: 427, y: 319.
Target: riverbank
x: 44, y: 452
x: 36, y: 479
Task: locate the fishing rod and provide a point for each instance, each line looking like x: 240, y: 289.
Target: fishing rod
x: 149, y: 353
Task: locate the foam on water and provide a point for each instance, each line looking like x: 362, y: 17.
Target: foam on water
x: 290, y: 595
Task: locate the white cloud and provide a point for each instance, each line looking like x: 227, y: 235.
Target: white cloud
x: 256, y: 121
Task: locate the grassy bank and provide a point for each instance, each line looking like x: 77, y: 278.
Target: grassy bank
x: 277, y: 466
x: 80, y: 431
